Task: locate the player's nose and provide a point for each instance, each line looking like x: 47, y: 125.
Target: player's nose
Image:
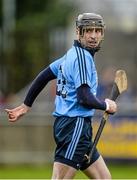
x: 93, y: 34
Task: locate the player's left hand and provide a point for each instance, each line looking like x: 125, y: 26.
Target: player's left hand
x: 112, y: 106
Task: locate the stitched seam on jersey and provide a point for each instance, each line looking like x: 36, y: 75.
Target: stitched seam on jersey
x: 79, y: 65
x: 93, y: 85
x: 75, y: 138
x: 85, y: 65
x: 82, y: 66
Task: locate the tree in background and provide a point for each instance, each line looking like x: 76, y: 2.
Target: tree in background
x: 35, y: 20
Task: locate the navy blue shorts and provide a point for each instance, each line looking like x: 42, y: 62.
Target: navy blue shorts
x: 73, y: 139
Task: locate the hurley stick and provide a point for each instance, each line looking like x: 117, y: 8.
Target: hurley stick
x: 119, y: 86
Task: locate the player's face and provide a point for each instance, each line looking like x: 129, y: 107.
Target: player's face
x: 91, y: 37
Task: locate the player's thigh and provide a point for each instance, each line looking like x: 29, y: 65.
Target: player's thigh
x: 98, y: 170
x: 63, y: 171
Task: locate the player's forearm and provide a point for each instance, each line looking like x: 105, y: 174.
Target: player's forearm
x: 88, y: 100
x: 38, y: 84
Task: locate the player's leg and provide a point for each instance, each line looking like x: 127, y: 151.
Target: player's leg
x: 72, y: 136
x: 98, y: 170
x: 62, y: 171
x: 66, y: 131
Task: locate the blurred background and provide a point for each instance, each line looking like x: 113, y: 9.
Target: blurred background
x: 35, y: 33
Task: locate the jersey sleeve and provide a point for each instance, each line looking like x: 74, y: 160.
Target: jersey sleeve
x: 38, y: 84
x: 83, y: 68
x: 55, y: 66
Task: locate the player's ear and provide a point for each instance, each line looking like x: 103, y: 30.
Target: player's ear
x: 77, y: 31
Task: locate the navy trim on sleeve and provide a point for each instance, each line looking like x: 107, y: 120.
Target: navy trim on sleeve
x: 88, y: 100
x: 38, y: 84
x: 82, y: 65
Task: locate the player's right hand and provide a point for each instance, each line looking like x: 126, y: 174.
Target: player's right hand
x: 16, y: 113
x: 111, y: 106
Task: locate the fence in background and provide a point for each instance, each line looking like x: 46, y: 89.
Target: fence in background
x: 30, y: 140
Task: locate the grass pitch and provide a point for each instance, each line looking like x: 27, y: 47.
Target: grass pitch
x: 45, y: 171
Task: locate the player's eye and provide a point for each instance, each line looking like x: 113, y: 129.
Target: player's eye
x: 97, y: 30
x: 89, y: 29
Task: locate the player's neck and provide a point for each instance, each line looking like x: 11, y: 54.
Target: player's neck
x: 92, y: 51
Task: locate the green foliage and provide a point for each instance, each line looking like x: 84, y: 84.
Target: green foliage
x: 34, y: 22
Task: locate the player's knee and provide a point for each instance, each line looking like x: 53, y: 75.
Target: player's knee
x: 106, y: 175
x: 109, y: 176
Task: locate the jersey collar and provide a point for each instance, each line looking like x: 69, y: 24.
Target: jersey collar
x: 91, y: 51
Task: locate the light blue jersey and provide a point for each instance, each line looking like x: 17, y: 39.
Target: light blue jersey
x: 75, y: 68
